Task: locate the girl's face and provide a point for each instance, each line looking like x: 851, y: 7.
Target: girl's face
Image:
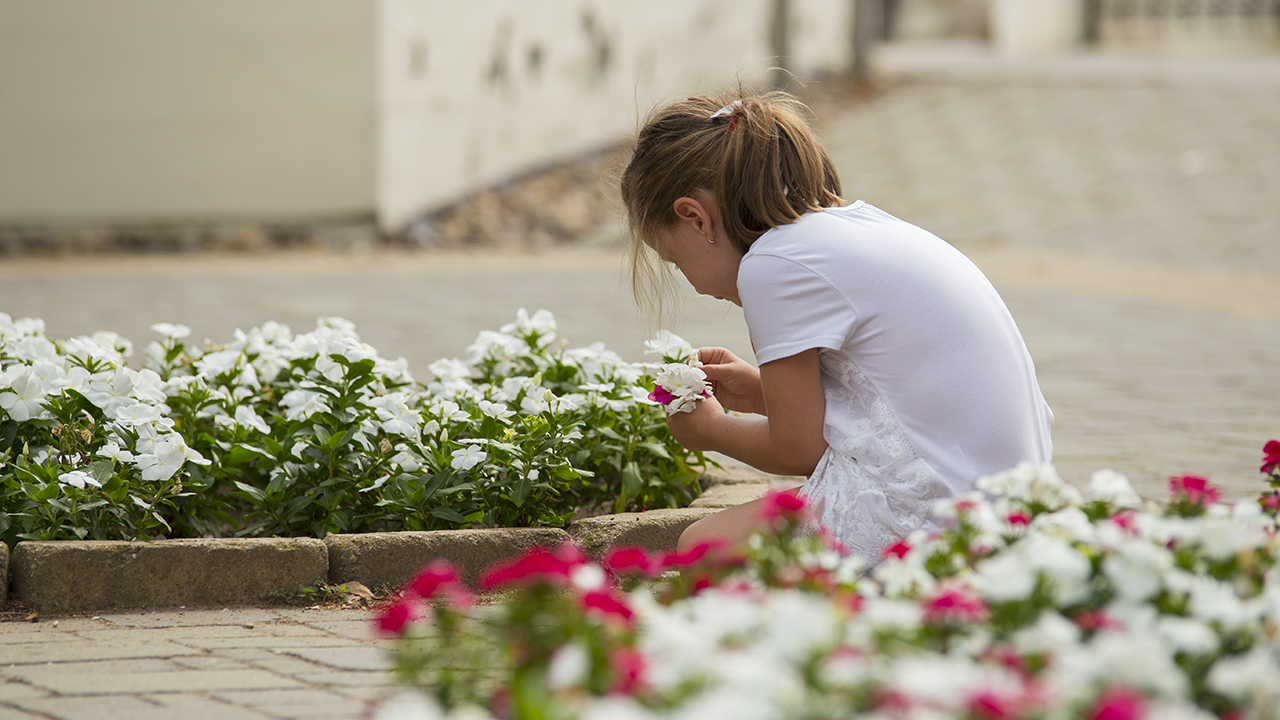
x: 711, y: 267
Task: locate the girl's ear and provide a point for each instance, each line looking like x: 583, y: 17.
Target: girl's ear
x: 692, y: 211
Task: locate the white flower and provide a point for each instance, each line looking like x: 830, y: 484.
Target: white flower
x: 167, y: 458
x: 113, y: 393
x: 668, y: 344
x: 495, y: 410
x: 407, y: 461
x: 246, y: 417
x: 1031, y: 484
x: 137, y: 414
x: 467, y: 458
x: 450, y: 411
x: 542, y: 322
x: 301, y: 404
x: 1248, y: 678
x: 396, y: 417
x: 685, y: 385
x: 175, y: 332
x: 112, y: 451
x: 1136, y: 569
x: 568, y: 666
x: 450, y: 369
x: 1110, y: 486
x: 588, y: 577
x: 78, y: 479
x: 23, y: 401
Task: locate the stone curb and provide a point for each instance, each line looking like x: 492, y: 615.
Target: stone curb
x: 84, y: 576
x: 392, y: 558
x: 57, y: 577
x: 654, y: 530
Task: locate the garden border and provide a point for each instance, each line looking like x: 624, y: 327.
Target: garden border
x: 70, y: 576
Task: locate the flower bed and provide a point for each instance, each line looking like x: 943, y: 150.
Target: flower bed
x: 276, y: 434
x: 1036, y: 601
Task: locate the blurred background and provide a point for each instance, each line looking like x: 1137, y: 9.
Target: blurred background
x: 426, y: 168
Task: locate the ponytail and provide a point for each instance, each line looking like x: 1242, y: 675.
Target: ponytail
x: 756, y: 154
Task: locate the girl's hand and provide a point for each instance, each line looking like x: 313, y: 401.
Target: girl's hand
x: 699, y: 429
x: 735, y: 382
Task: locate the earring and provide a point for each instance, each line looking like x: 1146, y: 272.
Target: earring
x: 711, y: 239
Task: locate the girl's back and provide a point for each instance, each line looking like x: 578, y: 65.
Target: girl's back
x: 928, y: 382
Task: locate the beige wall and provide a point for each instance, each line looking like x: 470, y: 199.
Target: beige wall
x: 131, y: 110
x: 158, y: 110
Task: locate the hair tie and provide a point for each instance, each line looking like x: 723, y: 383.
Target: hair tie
x: 728, y: 110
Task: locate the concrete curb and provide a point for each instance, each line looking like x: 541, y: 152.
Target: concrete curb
x: 392, y: 558
x: 654, y: 530
x: 57, y: 577
x: 84, y: 576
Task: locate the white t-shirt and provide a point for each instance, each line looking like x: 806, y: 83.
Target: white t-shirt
x: 928, y: 383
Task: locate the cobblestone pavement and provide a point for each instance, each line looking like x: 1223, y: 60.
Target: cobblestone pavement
x: 1125, y: 209
x: 199, y: 664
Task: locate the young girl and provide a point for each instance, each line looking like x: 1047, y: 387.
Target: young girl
x: 890, y: 371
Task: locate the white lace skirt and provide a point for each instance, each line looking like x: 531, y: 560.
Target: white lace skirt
x: 867, y: 506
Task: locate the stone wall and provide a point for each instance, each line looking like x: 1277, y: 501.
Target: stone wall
x: 149, y: 111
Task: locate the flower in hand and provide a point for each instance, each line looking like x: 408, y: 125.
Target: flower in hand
x: 680, y: 387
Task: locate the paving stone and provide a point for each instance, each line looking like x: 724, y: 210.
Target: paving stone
x: 127, y: 707
x: 173, y: 618
x: 12, y: 689
x: 55, y: 678
x: 391, y: 559
x: 32, y: 653
x: 348, y: 658
x: 74, y: 576
x: 349, y: 678
x: 190, y: 706
x: 9, y: 713
x: 308, y: 703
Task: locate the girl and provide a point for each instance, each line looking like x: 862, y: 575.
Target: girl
x: 891, y: 374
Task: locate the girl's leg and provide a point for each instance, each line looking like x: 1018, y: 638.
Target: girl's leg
x: 734, y: 525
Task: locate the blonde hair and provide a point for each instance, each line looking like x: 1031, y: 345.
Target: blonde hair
x: 758, y: 158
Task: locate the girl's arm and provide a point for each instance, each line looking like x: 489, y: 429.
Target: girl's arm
x: 787, y: 441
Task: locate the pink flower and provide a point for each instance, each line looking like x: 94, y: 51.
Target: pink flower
x: 954, y: 603
x: 785, y: 505
x: 898, y: 550
x: 693, y: 555
x: 629, y: 668
x: 1127, y: 520
x: 1197, y: 489
x: 1271, y: 458
x: 1018, y: 517
x: 630, y: 560
x: 661, y: 395
x: 538, y: 565
x: 1270, y: 502
x: 1118, y: 704
x: 432, y: 578
x: 988, y: 705
x: 608, y: 606
x: 1097, y: 620
x: 396, y: 617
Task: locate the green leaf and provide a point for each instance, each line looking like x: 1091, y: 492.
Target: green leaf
x: 8, y: 431
x: 102, y: 471
x: 451, y: 515
x: 631, y: 479
x: 656, y: 449
x: 46, y: 493
x: 250, y: 490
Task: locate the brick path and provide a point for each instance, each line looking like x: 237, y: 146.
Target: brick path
x: 1125, y: 209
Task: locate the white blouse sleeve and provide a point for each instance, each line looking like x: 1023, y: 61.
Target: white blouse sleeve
x: 789, y: 308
